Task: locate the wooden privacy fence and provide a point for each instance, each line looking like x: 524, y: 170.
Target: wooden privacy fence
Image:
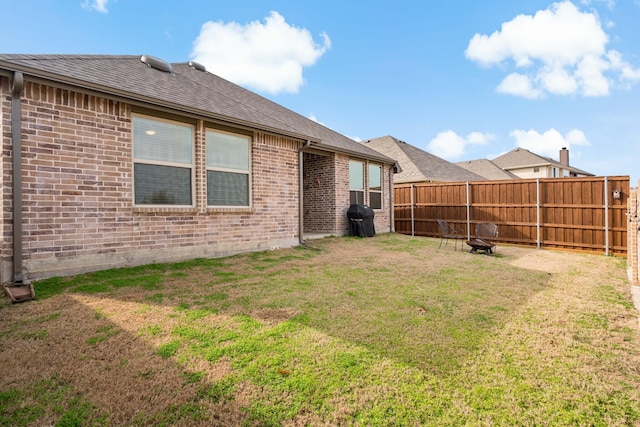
x: 633, y: 236
x: 573, y: 213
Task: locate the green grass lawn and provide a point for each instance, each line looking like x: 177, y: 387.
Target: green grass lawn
x: 381, y: 331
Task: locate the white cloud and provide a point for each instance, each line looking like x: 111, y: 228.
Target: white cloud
x: 549, y: 143
x: 519, y: 85
x: 610, y: 3
x: 558, y: 80
x: 98, y: 5
x: 576, y: 137
x: 450, y: 145
x: 559, y: 50
x: 627, y: 72
x: 266, y: 56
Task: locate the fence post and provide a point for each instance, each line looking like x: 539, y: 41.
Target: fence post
x: 468, y: 212
x: 606, y: 215
x: 633, y: 247
x: 413, y: 224
x: 538, y: 219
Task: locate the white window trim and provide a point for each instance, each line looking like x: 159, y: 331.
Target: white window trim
x: 231, y: 170
x: 369, y: 190
x: 192, y: 165
x: 366, y: 190
x: 362, y: 190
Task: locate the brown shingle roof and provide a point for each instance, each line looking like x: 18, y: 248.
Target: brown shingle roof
x: 521, y: 157
x: 185, y: 89
x: 418, y: 165
x: 487, y: 169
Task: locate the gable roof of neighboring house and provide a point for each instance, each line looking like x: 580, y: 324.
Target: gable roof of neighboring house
x: 487, y: 169
x: 417, y: 165
x: 183, y: 87
x: 522, y: 158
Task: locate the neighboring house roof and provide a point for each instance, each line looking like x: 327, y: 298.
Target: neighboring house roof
x: 417, y: 165
x: 186, y: 89
x: 521, y: 158
x: 487, y: 169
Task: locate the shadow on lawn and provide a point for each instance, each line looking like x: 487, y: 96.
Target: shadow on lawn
x: 69, y: 359
x: 121, y: 353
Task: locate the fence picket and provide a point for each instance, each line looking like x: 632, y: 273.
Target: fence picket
x: 572, y: 213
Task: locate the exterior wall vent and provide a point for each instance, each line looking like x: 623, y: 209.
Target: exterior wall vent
x: 197, y: 66
x: 157, y: 63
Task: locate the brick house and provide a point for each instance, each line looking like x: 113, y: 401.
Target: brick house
x: 128, y: 160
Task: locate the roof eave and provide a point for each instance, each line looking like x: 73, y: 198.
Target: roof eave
x: 382, y: 159
x: 54, y: 78
x: 530, y: 165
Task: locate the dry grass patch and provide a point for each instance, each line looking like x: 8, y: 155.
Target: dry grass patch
x: 352, y: 332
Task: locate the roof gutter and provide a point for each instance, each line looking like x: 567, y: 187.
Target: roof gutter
x: 301, y: 191
x: 19, y: 290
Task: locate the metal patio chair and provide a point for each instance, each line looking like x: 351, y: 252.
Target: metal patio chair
x: 447, y: 232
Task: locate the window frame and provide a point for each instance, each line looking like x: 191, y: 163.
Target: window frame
x: 372, y: 189
x: 356, y: 191
x: 247, y: 172
x: 137, y: 160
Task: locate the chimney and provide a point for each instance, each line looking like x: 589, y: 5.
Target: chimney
x: 564, y: 156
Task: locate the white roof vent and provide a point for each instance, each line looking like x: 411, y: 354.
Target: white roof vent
x: 157, y: 63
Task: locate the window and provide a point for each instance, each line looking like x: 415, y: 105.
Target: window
x: 162, y: 162
x: 357, y: 187
x: 536, y: 169
x: 375, y: 187
x: 228, y: 166
x: 356, y: 182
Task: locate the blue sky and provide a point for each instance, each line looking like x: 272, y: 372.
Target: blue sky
x: 461, y: 79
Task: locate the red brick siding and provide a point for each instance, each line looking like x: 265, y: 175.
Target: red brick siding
x: 381, y: 217
x: 342, y: 193
x: 326, y: 195
x: 78, y: 192
x: 319, y: 184
x: 383, y: 221
x: 5, y: 138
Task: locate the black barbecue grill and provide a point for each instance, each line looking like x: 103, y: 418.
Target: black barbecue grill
x: 361, y: 221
